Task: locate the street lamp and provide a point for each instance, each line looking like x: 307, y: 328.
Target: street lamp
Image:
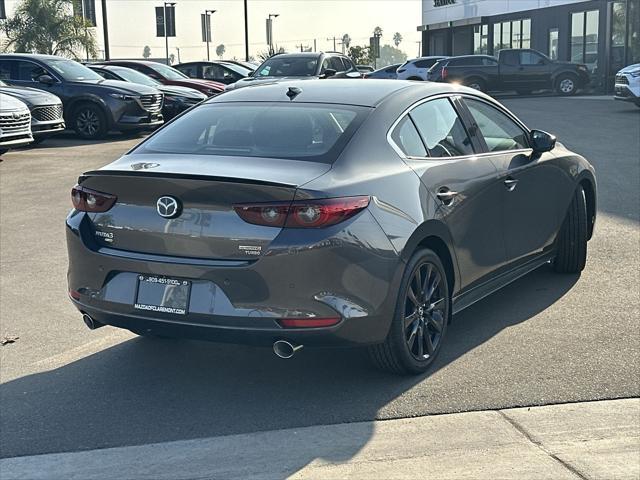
x: 274, y: 15
x: 166, y: 33
x: 207, y: 32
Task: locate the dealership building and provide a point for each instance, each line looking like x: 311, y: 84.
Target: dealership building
x: 603, y: 34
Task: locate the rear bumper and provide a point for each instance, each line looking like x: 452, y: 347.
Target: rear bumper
x: 342, y: 276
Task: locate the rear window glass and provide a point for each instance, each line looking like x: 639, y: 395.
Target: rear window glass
x: 311, y: 132
x: 288, y: 67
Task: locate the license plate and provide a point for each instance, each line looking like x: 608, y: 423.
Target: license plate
x: 162, y: 294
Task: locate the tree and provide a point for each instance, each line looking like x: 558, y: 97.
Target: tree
x: 220, y: 49
x: 48, y: 26
x: 397, y: 39
x: 346, y: 41
x: 146, y: 52
x: 360, y: 55
x: 377, y: 32
x: 390, y: 55
x: 172, y: 58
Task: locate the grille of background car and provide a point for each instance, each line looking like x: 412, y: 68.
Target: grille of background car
x: 151, y: 103
x: 47, y: 113
x: 15, y: 122
x: 622, y: 79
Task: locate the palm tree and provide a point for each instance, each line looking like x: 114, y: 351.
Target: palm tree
x: 47, y: 26
x: 220, y: 49
x: 377, y: 32
x: 346, y: 41
x: 397, y: 38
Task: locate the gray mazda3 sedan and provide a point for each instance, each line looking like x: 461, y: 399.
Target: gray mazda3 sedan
x: 326, y: 213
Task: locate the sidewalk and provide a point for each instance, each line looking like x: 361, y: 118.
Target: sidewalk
x: 590, y: 440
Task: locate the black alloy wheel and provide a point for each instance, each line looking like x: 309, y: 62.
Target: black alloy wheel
x: 90, y: 122
x: 420, y: 322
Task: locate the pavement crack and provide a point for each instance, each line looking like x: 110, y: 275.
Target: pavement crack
x: 541, y: 447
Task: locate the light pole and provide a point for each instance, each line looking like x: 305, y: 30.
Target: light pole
x: 246, y: 32
x: 105, y: 30
x: 274, y: 15
x: 166, y: 33
x: 207, y: 32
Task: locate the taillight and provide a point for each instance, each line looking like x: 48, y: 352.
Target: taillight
x: 87, y: 200
x: 302, y: 213
x: 444, y: 72
x: 308, y: 322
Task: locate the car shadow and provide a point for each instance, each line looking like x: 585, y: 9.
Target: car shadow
x: 145, y: 391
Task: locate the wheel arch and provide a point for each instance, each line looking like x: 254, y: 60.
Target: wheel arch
x: 69, y: 107
x: 435, y: 235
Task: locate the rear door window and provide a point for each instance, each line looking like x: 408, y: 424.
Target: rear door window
x: 190, y: 71
x: 311, y: 132
x: 441, y: 129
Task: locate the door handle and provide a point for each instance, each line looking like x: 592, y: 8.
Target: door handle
x: 511, y: 184
x: 446, y: 196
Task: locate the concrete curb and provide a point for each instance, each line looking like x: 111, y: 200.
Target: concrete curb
x: 586, y: 440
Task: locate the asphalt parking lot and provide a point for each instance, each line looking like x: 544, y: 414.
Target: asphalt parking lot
x: 544, y: 339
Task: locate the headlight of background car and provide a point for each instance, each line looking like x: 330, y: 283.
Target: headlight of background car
x: 121, y: 96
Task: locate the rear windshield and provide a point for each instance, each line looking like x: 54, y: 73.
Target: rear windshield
x: 288, y: 67
x: 312, y: 132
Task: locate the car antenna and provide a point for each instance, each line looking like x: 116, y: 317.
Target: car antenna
x: 293, y: 92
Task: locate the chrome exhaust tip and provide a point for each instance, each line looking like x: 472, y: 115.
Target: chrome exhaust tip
x: 90, y: 322
x: 284, y: 349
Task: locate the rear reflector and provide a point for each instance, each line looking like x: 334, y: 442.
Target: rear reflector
x: 87, y: 200
x: 308, y: 322
x: 302, y: 213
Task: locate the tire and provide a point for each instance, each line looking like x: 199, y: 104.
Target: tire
x: 571, y: 243
x: 566, y: 84
x: 398, y: 353
x: 476, y: 84
x: 89, y: 121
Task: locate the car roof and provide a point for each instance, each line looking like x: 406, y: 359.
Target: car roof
x: 369, y: 93
x: 34, y: 56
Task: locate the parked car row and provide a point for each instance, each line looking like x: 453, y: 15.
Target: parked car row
x: 523, y: 70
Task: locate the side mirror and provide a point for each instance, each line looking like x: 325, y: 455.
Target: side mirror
x: 329, y: 72
x: 542, y: 141
x: 46, y: 79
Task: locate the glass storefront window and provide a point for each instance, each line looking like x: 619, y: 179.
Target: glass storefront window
x: 481, y: 39
x: 516, y: 34
x: 506, y: 35
x: 496, y: 38
x: 584, y: 38
x: 553, y: 43
x: 633, y: 34
x: 526, y: 33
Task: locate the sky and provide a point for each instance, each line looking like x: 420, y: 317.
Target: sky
x: 132, y: 25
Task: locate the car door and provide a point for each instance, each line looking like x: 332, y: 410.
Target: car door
x: 534, y: 71
x: 464, y: 185
x: 509, y: 69
x: 532, y: 184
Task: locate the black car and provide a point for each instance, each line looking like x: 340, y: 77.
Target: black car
x: 223, y: 72
x: 92, y: 105
x: 176, y: 99
x: 519, y: 69
x: 305, y: 65
x: 45, y: 108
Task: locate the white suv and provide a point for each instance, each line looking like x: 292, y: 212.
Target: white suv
x: 15, y: 123
x: 416, y: 68
x: 627, y: 86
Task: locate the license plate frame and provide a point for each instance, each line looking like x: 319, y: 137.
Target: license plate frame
x: 161, y: 294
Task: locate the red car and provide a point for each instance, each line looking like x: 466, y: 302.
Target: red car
x: 170, y: 76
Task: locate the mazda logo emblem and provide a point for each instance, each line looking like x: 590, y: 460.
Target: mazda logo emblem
x: 168, y: 207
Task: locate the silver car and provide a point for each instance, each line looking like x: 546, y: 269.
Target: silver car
x: 15, y: 123
x: 325, y: 213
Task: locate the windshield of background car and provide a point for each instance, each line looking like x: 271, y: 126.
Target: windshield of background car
x: 134, y: 76
x: 238, y: 69
x: 288, y: 67
x: 72, y: 71
x: 169, y: 72
x: 310, y: 132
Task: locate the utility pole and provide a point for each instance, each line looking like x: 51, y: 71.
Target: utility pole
x: 302, y: 47
x: 178, y: 50
x: 246, y: 32
x: 105, y: 30
x: 314, y: 45
x: 334, y: 42
x: 419, y: 42
x: 207, y: 28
